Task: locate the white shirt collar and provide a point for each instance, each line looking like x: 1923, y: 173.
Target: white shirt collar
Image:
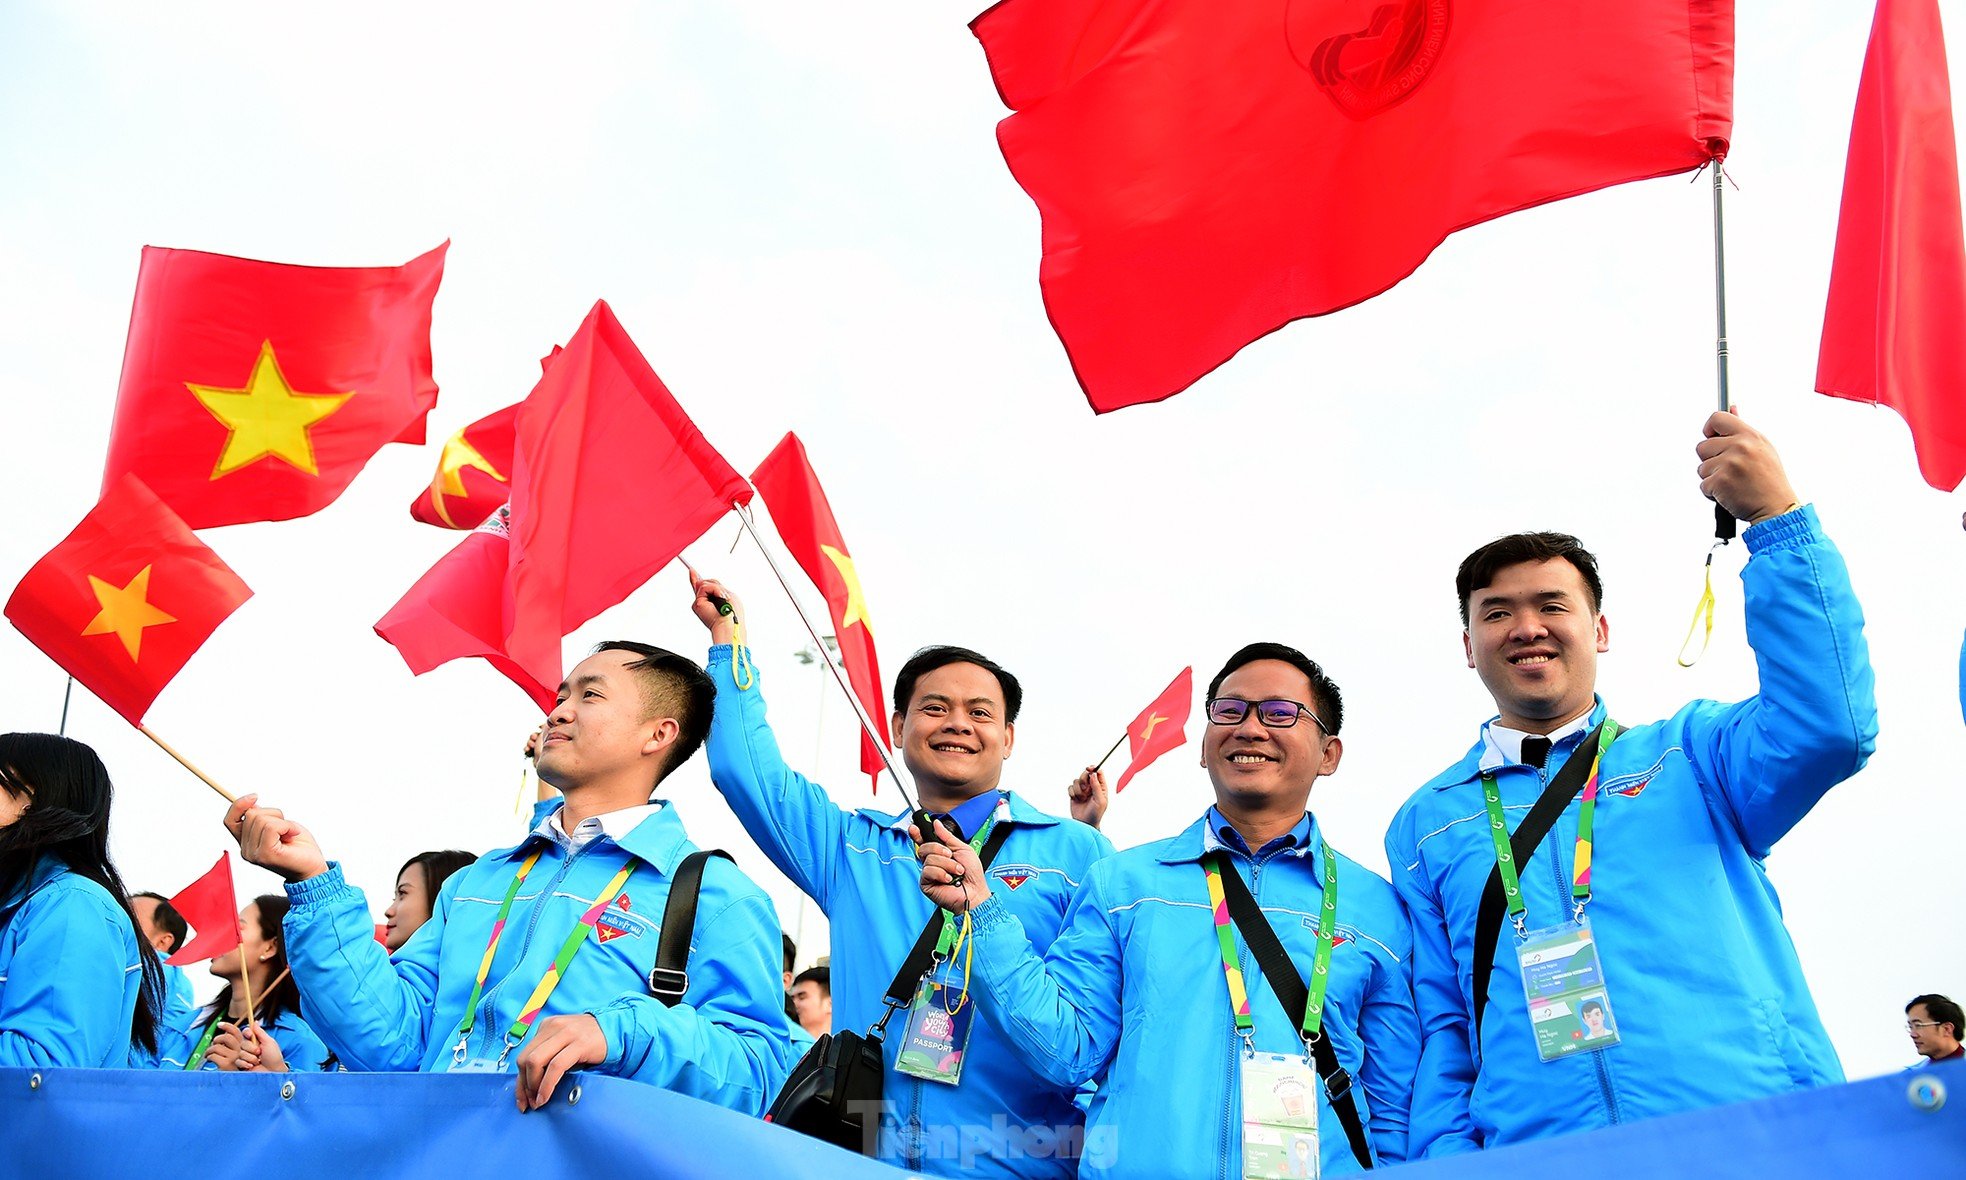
x: 1501, y: 745
x: 614, y: 825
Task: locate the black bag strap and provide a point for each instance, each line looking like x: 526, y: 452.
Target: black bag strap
x: 1537, y: 824
x: 669, y: 978
x: 901, y: 992
x: 1290, y: 990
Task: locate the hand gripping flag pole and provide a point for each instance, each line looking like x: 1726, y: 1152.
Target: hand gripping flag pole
x: 839, y: 674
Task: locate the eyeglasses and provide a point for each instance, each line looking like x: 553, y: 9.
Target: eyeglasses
x: 1915, y: 1025
x: 1274, y: 714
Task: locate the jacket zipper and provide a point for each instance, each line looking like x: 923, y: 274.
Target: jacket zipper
x: 1606, y: 1093
x: 495, y: 1038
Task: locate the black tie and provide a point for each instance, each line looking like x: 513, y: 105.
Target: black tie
x: 1535, y: 751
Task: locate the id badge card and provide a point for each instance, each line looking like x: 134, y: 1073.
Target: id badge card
x: 1279, y: 1116
x: 937, y: 1035
x: 1563, y: 982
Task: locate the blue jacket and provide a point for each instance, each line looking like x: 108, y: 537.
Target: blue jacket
x: 860, y: 867
x: 1135, y: 983
x: 727, y: 1042
x: 1709, y: 998
x: 299, y: 1047
x: 69, y: 973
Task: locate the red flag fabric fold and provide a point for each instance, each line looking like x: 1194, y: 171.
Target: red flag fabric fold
x: 1894, y: 330
x: 1160, y: 727
x: 474, y: 474
x: 1207, y: 173
x: 258, y: 390
x: 611, y: 480
x: 790, y: 488
x: 210, y: 909
x: 126, y: 599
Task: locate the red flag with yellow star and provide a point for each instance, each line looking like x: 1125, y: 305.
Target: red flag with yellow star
x: 1160, y: 727
x: 805, y: 523
x: 125, y: 599
x: 257, y: 390
x: 474, y: 474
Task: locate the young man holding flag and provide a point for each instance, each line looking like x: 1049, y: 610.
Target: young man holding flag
x: 1672, y: 926
x: 972, y: 1108
x: 558, y: 974
x: 1180, y: 975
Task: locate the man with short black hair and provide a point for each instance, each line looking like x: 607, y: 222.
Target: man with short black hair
x: 1647, y: 893
x: 165, y: 930
x: 812, y: 1000
x: 1155, y: 976
x: 549, y: 935
x: 973, y: 1108
x: 1934, y: 1023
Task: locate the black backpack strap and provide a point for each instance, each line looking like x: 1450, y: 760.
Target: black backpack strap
x: 1295, y: 997
x: 1537, y: 824
x: 901, y: 992
x: 669, y: 978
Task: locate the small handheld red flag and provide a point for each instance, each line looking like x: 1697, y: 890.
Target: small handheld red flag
x: 474, y: 474
x: 257, y: 390
x: 791, y: 490
x: 1160, y: 727
x: 1894, y: 331
x: 124, y: 601
x: 210, y: 909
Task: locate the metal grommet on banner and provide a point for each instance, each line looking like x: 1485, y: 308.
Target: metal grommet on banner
x: 34, y: 1082
x: 286, y: 1092
x: 1927, y: 1094
x: 573, y: 1094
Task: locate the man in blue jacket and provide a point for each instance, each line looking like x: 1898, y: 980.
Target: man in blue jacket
x: 1142, y: 986
x: 1650, y: 885
x: 538, y: 958
x: 954, y: 723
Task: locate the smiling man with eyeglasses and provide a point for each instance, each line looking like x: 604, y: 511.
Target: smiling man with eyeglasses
x: 1165, y: 979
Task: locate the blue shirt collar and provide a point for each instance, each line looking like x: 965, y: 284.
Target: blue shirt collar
x: 1217, y: 832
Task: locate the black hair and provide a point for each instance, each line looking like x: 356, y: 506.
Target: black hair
x: 791, y: 950
x: 1324, y: 693
x: 823, y: 976
x: 68, y: 818
x: 674, y: 686
x: 1479, y: 568
x: 928, y: 659
x: 1589, y: 1004
x: 166, y: 919
x: 282, y: 997
x: 438, y: 865
x: 1941, y: 1009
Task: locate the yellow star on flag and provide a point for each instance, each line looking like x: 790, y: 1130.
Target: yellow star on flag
x: 449, y: 480
x: 1148, y: 732
x: 126, y: 610
x: 267, y: 417
x: 856, y: 603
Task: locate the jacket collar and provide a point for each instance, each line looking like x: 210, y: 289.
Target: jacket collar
x: 1484, y: 756
x: 1196, y: 841
x: 1020, y: 812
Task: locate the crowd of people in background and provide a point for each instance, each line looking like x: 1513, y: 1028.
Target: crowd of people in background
x: 1577, y: 930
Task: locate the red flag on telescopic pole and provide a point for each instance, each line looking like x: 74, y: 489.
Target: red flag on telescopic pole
x: 1894, y: 331
x: 209, y: 907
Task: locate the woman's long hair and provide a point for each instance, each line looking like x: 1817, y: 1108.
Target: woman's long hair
x: 68, y: 817
x: 285, y: 995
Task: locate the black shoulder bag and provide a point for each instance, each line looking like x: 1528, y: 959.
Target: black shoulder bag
x: 1295, y: 997
x: 1537, y: 824
x: 669, y: 978
x: 838, y: 1085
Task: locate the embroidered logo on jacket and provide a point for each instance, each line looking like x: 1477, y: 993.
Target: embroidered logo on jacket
x: 610, y: 925
x: 1013, y: 875
x: 1632, y: 791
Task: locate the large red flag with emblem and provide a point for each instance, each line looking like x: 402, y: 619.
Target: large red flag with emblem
x: 474, y: 474
x: 1894, y: 332
x: 611, y: 480
x: 1160, y: 727
x: 791, y: 490
x: 257, y: 390
x: 1208, y: 172
x: 124, y: 601
x: 210, y: 909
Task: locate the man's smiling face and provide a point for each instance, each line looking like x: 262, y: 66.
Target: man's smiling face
x: 1254, y: 766
x: 1534, y: 634
x: 952, y: 733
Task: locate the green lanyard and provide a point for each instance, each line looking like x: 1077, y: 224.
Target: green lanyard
x: 946, y: 941
x: 197, y: 1057
x: 1498, y: 828
x: 1327, y: 929
x: 576, y: 939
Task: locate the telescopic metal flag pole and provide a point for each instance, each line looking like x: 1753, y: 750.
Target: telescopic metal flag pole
x: 1723, y: 520
x: 65, y: 694
x: 839, y: 673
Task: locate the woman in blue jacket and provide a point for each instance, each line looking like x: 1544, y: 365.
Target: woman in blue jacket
x: 213, y: 1039
x: 76, y: 987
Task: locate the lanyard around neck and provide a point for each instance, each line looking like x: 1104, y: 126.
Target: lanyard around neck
x: 1498, y: 828
x: 574, y: 941
x: 1225, y: 935
x: 197, y: 1057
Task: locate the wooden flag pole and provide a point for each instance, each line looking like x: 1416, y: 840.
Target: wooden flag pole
x: 1110, y: 753
x: 165, y: 746
x: 246, y: 985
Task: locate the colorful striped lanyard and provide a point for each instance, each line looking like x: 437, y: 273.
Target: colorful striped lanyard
x: 1580, y: 886
x: 1327, y: 930
x: 568, y: 949
x: 197, y: 1057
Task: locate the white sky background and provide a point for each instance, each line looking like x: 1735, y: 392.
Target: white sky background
x: 800, y: 214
